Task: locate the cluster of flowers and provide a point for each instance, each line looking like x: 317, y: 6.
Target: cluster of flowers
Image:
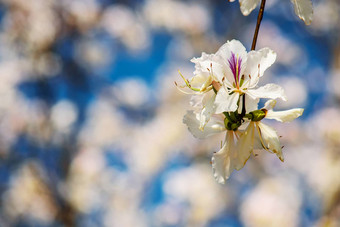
x: 225, y: 99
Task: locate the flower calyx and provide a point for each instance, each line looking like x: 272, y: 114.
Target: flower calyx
x: 232, y: 120
x: 256, y: 115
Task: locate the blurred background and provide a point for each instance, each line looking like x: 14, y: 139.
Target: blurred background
x: 91, y: 130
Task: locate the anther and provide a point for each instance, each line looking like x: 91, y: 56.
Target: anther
x: 216, y: 85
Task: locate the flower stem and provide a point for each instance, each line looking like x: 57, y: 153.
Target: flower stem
x: 243, y: 113
x: 259, y: 19
x: 253, y: 46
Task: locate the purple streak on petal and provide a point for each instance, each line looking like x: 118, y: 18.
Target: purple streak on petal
x: 232, y: 64
x: 239, y: 68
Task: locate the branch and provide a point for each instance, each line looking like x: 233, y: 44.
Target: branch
x: 259, y: 19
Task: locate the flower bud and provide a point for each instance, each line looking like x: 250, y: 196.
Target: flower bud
x: 258, y: 115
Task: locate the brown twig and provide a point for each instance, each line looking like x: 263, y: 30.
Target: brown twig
x: 257, y: 28
x: 259, y: 19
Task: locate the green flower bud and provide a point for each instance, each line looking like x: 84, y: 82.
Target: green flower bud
x: 258, y: 115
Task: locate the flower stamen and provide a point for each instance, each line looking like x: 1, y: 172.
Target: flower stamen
x: 187, y: 84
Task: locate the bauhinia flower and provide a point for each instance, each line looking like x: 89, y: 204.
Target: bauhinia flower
x: 231, y: 73
x: 303, y: 8
x: 202, y: 80
x: 229, y: 157
x: 201, y: 84
x: 226, y: 100
x: 237, y: 73
x: 240, y: 144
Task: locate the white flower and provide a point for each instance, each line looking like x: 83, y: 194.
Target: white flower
x: 229, y: 157
x: 239, y: 144
x: 303, y: 8
x: 259, y: 135
x: 200, y: 84
x: 231, y: 73
x: 238, y: 73
x: 203, y: 78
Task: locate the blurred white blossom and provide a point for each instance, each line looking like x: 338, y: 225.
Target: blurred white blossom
x: 29, y: 195
x: 303, y: 8
x: 273, y: 202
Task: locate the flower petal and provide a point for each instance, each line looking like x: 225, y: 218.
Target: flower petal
x: 226, y: 102
x: 233, y: 46
x: 270, y: 104
x: 196, y: 101
x: 270, y: 139
x: 207, y: 111
x: 249, y: 141
x: 257, y: 63
x: 214, y: 126
x: 271, y: 91
x: 245, y: 146
x: 304, y: 10
x: 247, y: 6
x: 200, y: 63
x: 284, y: 116
x: 233, y: 49
x: 212, y: 65
x: 223, y: 161
x: 203, y: 76
x: 201, y: 81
